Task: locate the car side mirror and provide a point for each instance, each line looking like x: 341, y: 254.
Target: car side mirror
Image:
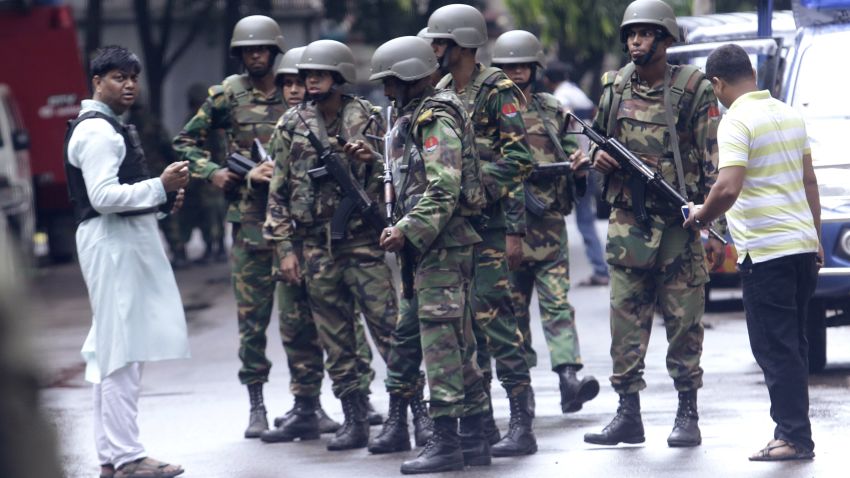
x: 20, y: 140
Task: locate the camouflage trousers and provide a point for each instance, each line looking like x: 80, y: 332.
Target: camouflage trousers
x: 495, y: 326
x: 351, y: 278
x: 441, y: 308
x: 661, y: 267
x: 557, y: 315
x: 301, y: 342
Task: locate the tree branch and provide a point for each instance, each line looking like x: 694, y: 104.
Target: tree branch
x: 198, y: 21
x: 165, y: 26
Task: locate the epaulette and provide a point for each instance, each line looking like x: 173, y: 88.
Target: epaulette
x: 504, y: 84
x: 425, y: 117
x: 548, y: 101
x: 608, y: 78
x: 215, y: 90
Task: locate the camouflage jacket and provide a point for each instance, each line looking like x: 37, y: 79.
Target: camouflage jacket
x: 243, y: 113
x: 642, y: 127
x: 428, y: 156
x: 500, y: 139
x: 543, y: 235
x: 300, y: 207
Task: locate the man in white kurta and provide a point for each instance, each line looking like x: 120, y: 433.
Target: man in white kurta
x: 137, y: 311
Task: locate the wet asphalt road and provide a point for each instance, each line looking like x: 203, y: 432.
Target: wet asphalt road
x: 194, y: 412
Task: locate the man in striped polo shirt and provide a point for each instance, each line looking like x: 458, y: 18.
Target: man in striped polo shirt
x: 767, y: 183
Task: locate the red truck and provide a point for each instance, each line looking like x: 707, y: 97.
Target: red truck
x: 40, y: 63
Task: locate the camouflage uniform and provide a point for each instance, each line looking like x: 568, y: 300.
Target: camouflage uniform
x: 506, y: 161
x: 428, y: 173
x: 338, y: 275
x: 545, y: 252
x: 244, y: 113
x: 658, y: 263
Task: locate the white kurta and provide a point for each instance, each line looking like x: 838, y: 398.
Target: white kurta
x: 137, y: 311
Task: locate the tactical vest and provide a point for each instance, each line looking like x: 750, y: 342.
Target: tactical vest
x: 133, y: 168
x: 558, y: 192
x: 642, y: 125
x: 411, y: 180
x: 249, y: 117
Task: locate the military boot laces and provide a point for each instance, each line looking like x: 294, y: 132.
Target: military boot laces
x: 574, y: 391
x: 299, y: 423
x: 354, y: 432
x: 626, y: 427
x: 473, y: 442
x: 423, y: 426
x: 686, y: 427
x: 257, y: 421
x: 394, y: 435
x: 441, y: 453
x: 520, y: 439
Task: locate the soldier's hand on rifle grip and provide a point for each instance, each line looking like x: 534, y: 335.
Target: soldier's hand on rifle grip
x: 391, y: 240
x: 261, y: 173
x: 224, y: 179
x: 604, y: 163
x: 513, y: 251
x: 359, y: 150
x: 178, y: 201
x: 579, y: 163
x: 175, y: 176
x: 290, y: 269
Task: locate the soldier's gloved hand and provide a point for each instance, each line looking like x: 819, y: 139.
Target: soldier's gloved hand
x: 359, y: 150
x: 513, y: 251
x: 261, y: 173
x: 224, y: 179
x: 290, y: 269
x: 175, y: 176
x: 604, y: 163
x: 715, y: 252
x: 580, y: 163
x: 391, y: 240
x: 178, y: 201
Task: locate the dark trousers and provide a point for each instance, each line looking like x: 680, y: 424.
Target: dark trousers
x: 776, y: 298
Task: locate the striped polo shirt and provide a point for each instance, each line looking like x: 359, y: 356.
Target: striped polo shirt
x: 771, y: 217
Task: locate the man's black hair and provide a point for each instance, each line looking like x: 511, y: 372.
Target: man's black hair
x: 730, y: 63
x: 114, y: 57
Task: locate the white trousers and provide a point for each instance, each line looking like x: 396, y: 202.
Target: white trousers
x: 116, y: 407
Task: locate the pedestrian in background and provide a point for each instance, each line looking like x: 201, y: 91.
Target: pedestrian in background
x: 137, y: 314
x: 768, y: 185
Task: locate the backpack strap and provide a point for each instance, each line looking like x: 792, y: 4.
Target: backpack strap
x: 487, y: 77
x: 542, y: 109
x: 673, y: 95
x: 619, y: 85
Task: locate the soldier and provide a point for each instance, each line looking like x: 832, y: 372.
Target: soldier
x: 297, y: 329
x: 246, y: 107
x: 338, y: 274
x: 493, y: 103
x: 666, y: 115
x: 437, y: 178
x: 545, y: 252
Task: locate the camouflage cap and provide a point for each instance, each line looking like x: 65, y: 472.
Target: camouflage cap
x: 652, y: 12
x: 518, y: 46
x: 285, y: 64
x: 256, y: 30
x: 329, y: 55
x: 462, y: 23
x: 406, y: 58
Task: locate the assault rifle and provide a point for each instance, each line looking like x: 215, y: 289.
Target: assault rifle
x: 642, y: 175
x: 354, y: 196
x: 542, y: 171
x: 241, y: 165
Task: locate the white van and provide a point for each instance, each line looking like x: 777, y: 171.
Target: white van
x: 16, y: 196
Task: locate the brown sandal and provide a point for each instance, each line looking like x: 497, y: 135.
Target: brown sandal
x: 781, y: 450
x: 107, y: 470
x: 148, y: 468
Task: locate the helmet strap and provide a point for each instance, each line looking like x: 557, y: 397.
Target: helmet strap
x: 444, y: 60
x: 645, y: 59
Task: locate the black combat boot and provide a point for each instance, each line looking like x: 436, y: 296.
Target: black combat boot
x: 473, y: 442
x: 626, y: 427
x: 441, y: 453
x: 394, y: 435
x: 373, y: 417
x: 423, y: 426
x: 686, y: 427
x: 301, y: 422
x: 354, y: 432
x: 575, y: 392
x: 179, y: 260
x: 257, y: 421
x: 488, y: 423
x: 520, y: 438
x: 326, y: 423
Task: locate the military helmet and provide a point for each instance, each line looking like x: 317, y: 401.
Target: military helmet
x: 256, y: 30
x: 461, y: 23
x: 517, y: 46
x: 406, y: 58
x: 285, y: 64
x: 653, y: 12
x: 329, y: 55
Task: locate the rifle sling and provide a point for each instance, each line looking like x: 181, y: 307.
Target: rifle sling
x: 671, y: 128
x: 553, y: 137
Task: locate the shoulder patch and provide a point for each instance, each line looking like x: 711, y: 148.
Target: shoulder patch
x: 425, y: 117
x: 509, y: 110
x: 430, y: 144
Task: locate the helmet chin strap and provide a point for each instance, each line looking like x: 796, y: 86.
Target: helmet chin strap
x: 320, y: 97
x: 645, y: 59
x: 444, y: 60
